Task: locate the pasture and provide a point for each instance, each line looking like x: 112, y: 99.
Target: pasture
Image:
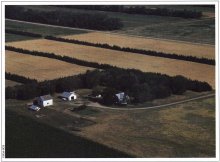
x: 160, y: 45
x: 195, y: 71
x: 40, y: 68
x: 185, y: 130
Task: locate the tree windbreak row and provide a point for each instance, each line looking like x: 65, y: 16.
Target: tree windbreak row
x: 96, y: 21
x: 138, y: 85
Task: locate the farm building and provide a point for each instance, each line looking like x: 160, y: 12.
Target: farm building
x: 68, y: 95
x: 122, y: 98
x: 34, y: 107
x: 44, y: 101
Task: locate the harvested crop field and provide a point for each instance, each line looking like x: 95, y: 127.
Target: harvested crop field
x: 145, y: 63
x: 160, y: 45
x: 40, y: 68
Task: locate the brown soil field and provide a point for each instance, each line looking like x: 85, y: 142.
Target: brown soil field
x: 40, y: 68
x: 160, y: 45
x: 144, y: 63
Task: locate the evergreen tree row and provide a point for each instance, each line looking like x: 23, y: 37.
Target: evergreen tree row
x: 18, y: 78
x: 94, y: 21
x: 137, y: 51
x: 138, y: 85
x: 10, y: 31
x: 142, y: 10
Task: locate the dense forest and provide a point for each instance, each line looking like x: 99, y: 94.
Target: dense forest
x: 139, y: 10
x: 139, y: 85
x: 137, y: 51
x: 95, y: 21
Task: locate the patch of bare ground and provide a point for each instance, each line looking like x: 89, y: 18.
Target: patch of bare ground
x: 172, y: 67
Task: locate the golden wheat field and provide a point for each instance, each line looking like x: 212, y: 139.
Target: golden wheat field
x: 40, y: 68
x: 160, y: 45
x: 145, y: 63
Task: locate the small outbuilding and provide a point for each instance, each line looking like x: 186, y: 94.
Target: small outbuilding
x: 44, y: 101
x: 69, y: 95
x: 34, y: 107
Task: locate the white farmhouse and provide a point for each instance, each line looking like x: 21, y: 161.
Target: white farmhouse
x: 122, y: 98
x: 69, y: 95
x: 44, y: 101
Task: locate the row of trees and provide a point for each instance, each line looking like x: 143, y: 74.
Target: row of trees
x: 137, y: 51
x: 140, y: 10
x: 72, y: 19
x: 20, y: 79
x: 11, y: 31
x: 139, y: 85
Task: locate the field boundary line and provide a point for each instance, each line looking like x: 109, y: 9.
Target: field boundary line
x: 115, y: 33
x: 158, y: 106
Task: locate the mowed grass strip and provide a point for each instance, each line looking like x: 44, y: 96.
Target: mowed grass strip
x: 121, y: 59
x: 40, y: 68
x: 159, y: 45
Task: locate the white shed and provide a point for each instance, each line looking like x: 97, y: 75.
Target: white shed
x: 69, y: 95
x: 44, y: 101
x: 122, y: 98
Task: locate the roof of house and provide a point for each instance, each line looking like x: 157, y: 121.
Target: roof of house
x: 67, y: 94
x: 46, y: 97
x: 120, y: 95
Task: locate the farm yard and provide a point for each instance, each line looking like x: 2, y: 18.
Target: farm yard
x: 174, y: 125
x: 123, y: 59
x: 40, y: 68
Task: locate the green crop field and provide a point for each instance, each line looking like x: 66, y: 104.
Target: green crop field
x: 15, y: 37
x: 39, y: 29
x: 199, y: 31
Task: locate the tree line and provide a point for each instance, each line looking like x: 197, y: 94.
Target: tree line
x: 11, y: 31
x: 140, y: 86
x: 137, y: 51
x: 142, y: 10
x: 96, y: 21
x: 20, y: 79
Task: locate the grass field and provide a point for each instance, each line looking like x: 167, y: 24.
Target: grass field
x: 39, y: 29
x: 206, y: 51
x: 186, y: 130
x: 171, y: 67
x: 14, y: 37
x: 10, y: 83
x: 28, y: 138
x: 40, y: 68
